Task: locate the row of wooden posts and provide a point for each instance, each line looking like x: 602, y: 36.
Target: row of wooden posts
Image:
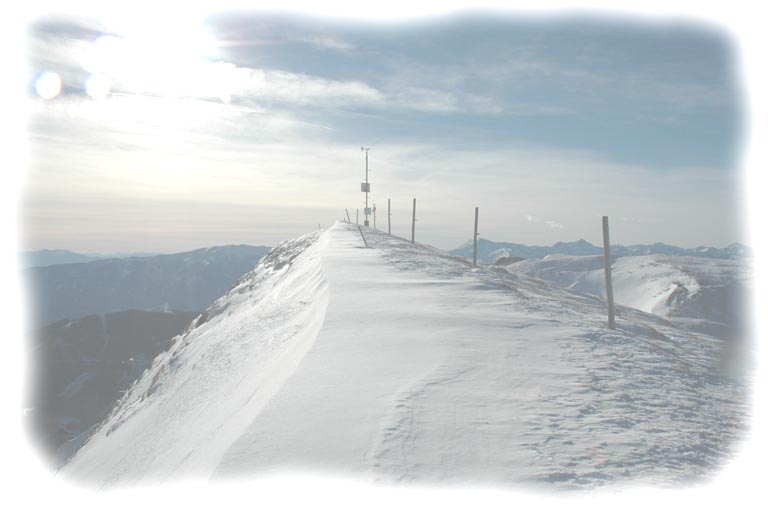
x: 389, y: 221
x: 606, y: 250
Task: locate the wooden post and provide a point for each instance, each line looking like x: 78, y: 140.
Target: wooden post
x: 413, y: 223
x: 357, y: 216
x: 361, y: 235
x: 389, y: 217
x: 374, y: 215
x: 348, y: 219
x: 608, y: 282
x: 474, y: 253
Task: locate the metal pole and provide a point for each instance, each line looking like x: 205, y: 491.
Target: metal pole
x: 366, y: 149
x: 389, y: 217
x: 366, y: 189
x: 413, y: 223
x: 474, y: 253
x: 608, y: 282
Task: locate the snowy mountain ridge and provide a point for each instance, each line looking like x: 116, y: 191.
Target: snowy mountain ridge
x: 707, y: 295
x: 403, y: 363
x: 489, y: 251
x: 267, y: 300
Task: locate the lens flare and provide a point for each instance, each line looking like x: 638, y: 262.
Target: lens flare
x: 48, y: 85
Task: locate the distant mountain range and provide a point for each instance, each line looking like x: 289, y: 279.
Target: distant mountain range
x: 51, y: 257
x: 490, y: 251
x: 48, y: 257
x: 83, y: 366
x: 187, y: 281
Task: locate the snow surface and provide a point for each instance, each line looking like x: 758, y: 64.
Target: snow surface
x: 403, y: 363
x: 700, y: 294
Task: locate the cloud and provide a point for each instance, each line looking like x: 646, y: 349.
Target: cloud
x: 329, y: 42
x: 134, y: 67
x: 304, y: 89
x: 552, y: 224
x: 59, y: 55
x: 430, y: 100
x: 682, y: 94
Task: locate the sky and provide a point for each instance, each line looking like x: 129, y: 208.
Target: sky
x: 183, y: 131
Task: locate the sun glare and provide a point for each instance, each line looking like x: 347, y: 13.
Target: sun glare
x: 168, y: 60
x: 98, y: 86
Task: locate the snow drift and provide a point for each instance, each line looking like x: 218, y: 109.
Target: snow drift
x: 402, y: 363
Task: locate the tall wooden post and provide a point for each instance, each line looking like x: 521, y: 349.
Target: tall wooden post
x: 361, y: 235
x: 348, y: 219
x: 374, y: 215
x: 413, y: 223
x: 357, y: 216
x: 389, y: 217
x: 608, y: 282
x: 474, y: 252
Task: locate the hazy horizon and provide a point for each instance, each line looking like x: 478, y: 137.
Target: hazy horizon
x: 597, y: 243
x: 247, y: 127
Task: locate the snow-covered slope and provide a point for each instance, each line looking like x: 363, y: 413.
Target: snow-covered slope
x: 401, y: 362
x: 701, y: 294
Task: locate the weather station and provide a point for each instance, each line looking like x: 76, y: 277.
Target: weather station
x: 366, y: 186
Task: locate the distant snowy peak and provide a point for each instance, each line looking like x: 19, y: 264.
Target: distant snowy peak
x: 733, y: 251
x: 737, y: 250
x: 580, y: 247
x: 490, y: 251
x: 656, y: 248
x: 470, y: 244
